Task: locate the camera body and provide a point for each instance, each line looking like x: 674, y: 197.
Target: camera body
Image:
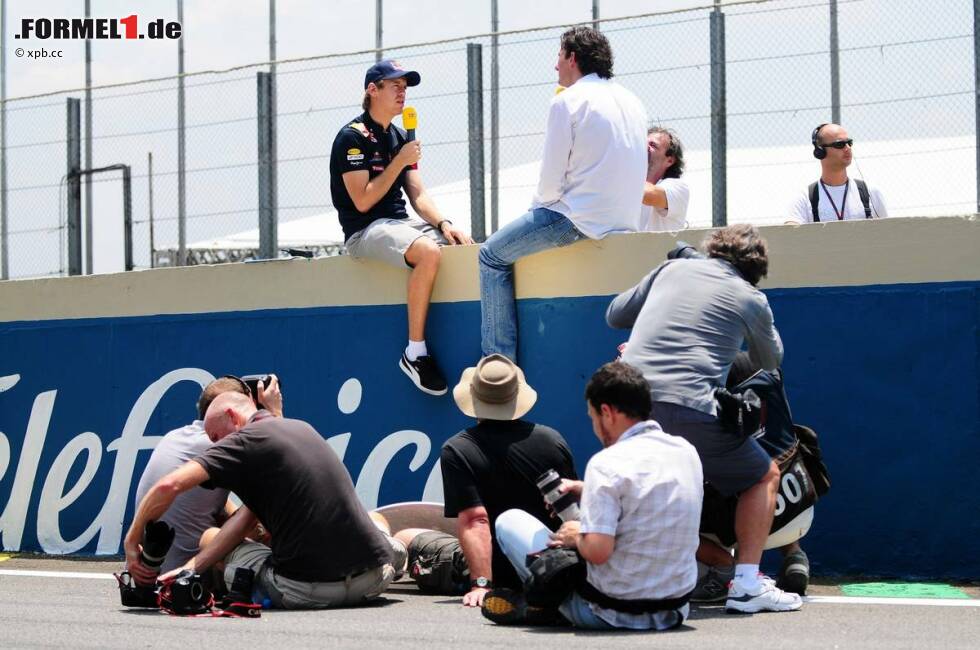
x: 685, y: 251
x: 252, y: 381
x: 186, y: 595
x: 564, y: 505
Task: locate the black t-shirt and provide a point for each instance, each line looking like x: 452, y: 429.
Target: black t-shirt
x: 495, y: 464
x: 294, y: 483
x: 363, y: 145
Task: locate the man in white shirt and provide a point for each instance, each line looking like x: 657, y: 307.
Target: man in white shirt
x: 665, y: 195
x: 592, y: 175
x: 641, y: 508
x: 835, y: 197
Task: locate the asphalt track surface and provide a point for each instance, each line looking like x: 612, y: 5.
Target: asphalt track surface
x: 71, y: 611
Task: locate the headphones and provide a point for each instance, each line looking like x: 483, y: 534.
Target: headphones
x: 819, y: 151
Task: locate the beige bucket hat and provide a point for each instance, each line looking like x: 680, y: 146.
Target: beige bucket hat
x: 494, y: 390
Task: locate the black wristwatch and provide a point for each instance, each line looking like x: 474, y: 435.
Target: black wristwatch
x: 439, y: 225
x: 481, y: 583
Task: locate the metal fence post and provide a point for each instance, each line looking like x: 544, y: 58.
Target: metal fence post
x: 88, y: 146
x: 719, y: 122
x: 474, y: 86
x: 378, y: 28
x: 181, y: 151
x: 73, y: 178
x: 976, y: 89
x: 595, y: 15
x: 127, y: 178
x: 834, y: 66
x: 149, y: 189
x: 268, y: 235
x: 494, y: 121
x: 4, y: 262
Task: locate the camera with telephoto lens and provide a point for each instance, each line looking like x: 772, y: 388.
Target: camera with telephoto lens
x: 252, y: 381
x: 563, y: 504
x: 685, y: 251
x: 157, y: 539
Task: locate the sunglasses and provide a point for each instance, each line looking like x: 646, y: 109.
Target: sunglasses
x: 840, y: 144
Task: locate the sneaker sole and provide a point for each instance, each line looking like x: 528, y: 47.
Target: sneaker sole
x: 415, y: 380
x: 795, y: 583
x: 500, y: 610
x: 749, y: 608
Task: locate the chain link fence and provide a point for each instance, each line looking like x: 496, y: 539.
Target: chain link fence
x: 907, y: 97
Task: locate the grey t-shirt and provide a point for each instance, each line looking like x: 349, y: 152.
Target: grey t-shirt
x: 192, y: 512
x: 689, y: 319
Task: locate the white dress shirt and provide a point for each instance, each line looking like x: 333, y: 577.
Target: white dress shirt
x: 595, y: 157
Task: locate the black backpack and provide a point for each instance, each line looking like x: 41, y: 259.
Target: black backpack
x: 862, y: 192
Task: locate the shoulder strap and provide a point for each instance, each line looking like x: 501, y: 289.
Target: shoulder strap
x: 865, y: 197
x: 814, y: 199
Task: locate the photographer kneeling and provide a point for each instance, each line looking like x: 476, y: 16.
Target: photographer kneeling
x: 325, y: 550
x: 689, y: 319
x: 640, y: 510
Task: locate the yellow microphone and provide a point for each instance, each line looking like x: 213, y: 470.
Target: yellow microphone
x: 410, y: 120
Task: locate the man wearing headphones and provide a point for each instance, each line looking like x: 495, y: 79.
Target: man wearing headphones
x: 835, y: 197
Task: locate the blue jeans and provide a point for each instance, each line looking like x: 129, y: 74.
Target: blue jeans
x: 519, y: 534
x: 537, y: 230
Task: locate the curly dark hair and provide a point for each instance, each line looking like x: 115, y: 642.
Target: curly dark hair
x: 592, y: 50
x: 674, y: 148
x: 622, y: 387
x: 743, y: 247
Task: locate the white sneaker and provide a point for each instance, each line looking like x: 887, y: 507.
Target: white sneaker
x: 767, y: 598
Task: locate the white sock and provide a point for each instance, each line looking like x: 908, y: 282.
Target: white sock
x: 747, y: 576
x: 415, y: 350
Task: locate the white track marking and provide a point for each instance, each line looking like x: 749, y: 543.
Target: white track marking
x: 56, y: 574
x: 857, y: 600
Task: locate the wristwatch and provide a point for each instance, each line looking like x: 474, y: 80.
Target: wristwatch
x: 481, y: 583
x: 439, y: 225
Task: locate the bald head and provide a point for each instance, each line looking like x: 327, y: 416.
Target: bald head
x: 836, y: 160
x: 227, y: 414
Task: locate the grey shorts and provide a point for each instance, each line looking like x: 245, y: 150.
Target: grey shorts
x: 731, y: 464
x: 287, y: 593
x: 387, y: 240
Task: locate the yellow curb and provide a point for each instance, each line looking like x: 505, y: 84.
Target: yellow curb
x: 4, y: 557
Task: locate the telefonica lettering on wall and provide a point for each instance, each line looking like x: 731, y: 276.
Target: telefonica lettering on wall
x: 60, y: 487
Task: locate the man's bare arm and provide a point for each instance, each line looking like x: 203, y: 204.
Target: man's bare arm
x: 365, y: 192
x: 152, y: 507
x: 654, y: 195
x: 473, y: 530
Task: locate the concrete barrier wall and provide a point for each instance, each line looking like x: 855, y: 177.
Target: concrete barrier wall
x: 880, y: 321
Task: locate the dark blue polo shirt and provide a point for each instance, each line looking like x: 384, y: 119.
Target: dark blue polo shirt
x: 363, y: 145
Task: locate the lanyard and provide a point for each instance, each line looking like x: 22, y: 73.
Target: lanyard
x: 843, y: 204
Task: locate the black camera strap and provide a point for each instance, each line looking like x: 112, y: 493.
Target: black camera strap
x: 639, y: 606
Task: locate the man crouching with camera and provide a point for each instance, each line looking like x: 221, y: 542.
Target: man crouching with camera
x: 638, y: 533
x: 287, y: 477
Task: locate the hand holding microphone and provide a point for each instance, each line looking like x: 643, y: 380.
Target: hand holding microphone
x: 411, y: 151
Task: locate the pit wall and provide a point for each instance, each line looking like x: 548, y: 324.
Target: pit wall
x: 879, y: 320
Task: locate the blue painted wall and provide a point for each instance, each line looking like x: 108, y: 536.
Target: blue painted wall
x: 887, y: 375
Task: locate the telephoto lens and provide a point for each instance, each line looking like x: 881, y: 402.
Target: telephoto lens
x: 157, y: 538
x: 564, y: 505
x: 683, y: 250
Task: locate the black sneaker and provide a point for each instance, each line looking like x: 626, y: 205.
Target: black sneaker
x: 794, y: 576
x: 424, y: 374
x: 509, y: 607
x: 712, y: 587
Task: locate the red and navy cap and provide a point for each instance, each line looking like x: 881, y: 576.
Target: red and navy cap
x: 390, y: 69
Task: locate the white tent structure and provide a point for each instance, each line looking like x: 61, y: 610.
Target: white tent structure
x: 920, y: 177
